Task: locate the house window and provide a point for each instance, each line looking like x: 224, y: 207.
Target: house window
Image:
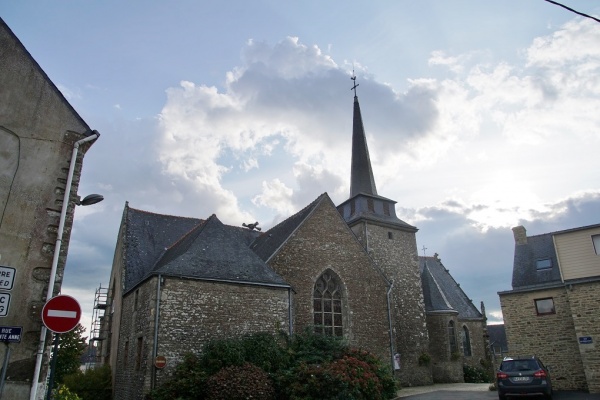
x: 352, y: 207
x: 596, y: 241
x: 452, y: 338
x: 544, y: 306
x: 327, y: 305
x: 543, y: 264
x: 390, y: 235
x: 138, y: 353
x: 466, y: 342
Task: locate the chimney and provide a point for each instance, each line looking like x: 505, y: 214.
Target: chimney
x: 520, y: 234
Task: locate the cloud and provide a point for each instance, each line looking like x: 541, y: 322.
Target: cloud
x: 469, y: 152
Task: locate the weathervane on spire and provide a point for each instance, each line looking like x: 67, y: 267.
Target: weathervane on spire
x: 353, y: 77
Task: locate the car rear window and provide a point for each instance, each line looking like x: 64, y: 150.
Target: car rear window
x: 519, y: 365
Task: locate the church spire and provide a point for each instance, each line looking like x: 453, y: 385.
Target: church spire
x: 361, y: 178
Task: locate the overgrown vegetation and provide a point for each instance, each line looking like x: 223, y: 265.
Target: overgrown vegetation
x: 70, y: 348
x: 261, y: 366
x: 93, y: 384
x: 477, y: 374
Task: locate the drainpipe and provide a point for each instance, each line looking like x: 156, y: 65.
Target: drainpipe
x: 155, y: 347
x: 390, y: 323
x: 61, y: 227
x: 291, y: 327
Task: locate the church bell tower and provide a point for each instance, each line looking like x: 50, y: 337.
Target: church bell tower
x: 392, y: 245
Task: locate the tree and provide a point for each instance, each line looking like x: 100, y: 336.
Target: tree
x: 70, y: 348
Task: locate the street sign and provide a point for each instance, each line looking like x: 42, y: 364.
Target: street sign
x: 160, y: 362
x: 585, y: 340
x: 4, y: 303
x: 61, y: 313
x: 10, y: 334
x: 7, y: 277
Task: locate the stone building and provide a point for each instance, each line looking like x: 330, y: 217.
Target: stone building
x: 452, y: 315
x: 552, y: 309
x: 350, y: 271
x: 42, y: 144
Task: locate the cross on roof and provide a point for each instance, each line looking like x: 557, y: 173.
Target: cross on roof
x: 353, y: 77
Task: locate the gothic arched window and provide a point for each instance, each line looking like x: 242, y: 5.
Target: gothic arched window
x: 327, y: 305
x: 452, y: 338
x: 466, y: 342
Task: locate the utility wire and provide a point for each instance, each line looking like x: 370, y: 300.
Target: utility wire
x: 576, y: 12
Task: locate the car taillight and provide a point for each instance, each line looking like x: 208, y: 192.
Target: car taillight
x: 501, y: 375
x: 540, y: 374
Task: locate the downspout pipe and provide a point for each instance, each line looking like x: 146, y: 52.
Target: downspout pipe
x: 155, y: 346
x: 390, y: 323
x: 290, y: 323
x: 57, y: 246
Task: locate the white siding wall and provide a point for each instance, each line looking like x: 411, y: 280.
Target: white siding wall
x: 576, y: 254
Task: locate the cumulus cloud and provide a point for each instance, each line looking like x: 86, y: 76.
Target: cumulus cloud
x: 467, y: 154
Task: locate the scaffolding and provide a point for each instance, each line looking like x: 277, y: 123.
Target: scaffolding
x: 99, y: 329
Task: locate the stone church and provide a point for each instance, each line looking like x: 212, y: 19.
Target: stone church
x: 350, y: 271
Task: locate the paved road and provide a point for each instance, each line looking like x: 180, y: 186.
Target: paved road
x: 479, y: 395
x: 474, y: 391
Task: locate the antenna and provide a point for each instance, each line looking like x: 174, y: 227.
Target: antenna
x: 353, y: 77
x: 424, y: 248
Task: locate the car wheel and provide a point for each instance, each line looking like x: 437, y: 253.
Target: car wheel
x: 501, y: 396
x: 548, y: 396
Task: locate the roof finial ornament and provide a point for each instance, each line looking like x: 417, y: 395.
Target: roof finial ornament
x: 353, y: 77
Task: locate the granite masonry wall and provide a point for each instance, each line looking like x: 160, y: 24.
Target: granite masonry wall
x: 322, y: 243
x: 445, y: 367
x: 551, y: 337
x: 192, y: 312
x: 584, y: 298
x: 395, y: 252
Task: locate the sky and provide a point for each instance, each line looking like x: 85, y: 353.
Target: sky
x: 480, y: 116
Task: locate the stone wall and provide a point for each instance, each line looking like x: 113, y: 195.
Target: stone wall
x: 551, y: 337
x: 38, y: 129
x: 395, y: 252
x: 324, y: 242
x: 132, y: 377
x: 192, y: 312
x: 584, y: 299
x: 446, y: 367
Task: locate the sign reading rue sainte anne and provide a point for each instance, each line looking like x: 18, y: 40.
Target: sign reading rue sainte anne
x: 10, y: 334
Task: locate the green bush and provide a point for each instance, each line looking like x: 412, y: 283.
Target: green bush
x: 93, y: 384
x: 476, y: 374
x: 300, y: 367
x: 240, y: 383
x: 188, y: 382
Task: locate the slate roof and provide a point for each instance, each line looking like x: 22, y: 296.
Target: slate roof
x: 269, y: 242
x: 497, y: 336
x: 441, y: 292
x: 525, y: 273
x: 181, y: 246
x: 147, y: 236
x: 361, y: 173
x: 216, y: 251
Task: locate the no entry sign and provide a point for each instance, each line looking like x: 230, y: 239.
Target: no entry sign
x: 61, y: 313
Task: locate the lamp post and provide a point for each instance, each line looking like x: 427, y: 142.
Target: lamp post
x: 88, y: 200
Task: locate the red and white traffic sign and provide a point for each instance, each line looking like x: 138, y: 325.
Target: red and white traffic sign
x: 61, y: 313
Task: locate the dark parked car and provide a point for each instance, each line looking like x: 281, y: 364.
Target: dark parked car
x: 523, y: 376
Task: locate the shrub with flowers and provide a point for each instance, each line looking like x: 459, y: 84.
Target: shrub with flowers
x: 240, y: 383
x: 63, y: 393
